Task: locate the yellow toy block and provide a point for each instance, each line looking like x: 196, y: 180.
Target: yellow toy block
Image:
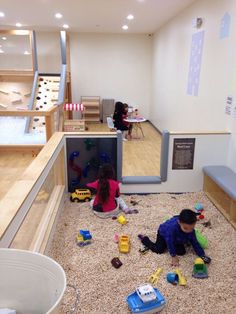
x: 155, y: 276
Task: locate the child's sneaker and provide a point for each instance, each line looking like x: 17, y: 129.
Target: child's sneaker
x: 143, y: 249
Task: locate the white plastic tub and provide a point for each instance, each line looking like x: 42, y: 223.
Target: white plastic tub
x: 30, y: 283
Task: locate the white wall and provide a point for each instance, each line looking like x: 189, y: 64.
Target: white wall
x: 172, y: 108
x: 112, y: 66
x: 188, y: 180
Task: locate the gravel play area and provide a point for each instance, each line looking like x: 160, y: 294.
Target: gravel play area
x: 96, y: 287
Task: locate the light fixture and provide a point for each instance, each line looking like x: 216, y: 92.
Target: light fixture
x: 1, y: 51
x: 26, y: 52
x: 2, y: 14
x: 58, y: 15
x: 4, y: 38
x: 18, y: 24
x: 130, y: 17
x: 65, y: 26
x: 125, y: 27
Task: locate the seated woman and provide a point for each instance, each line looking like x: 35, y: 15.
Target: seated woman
x: 118, y: 118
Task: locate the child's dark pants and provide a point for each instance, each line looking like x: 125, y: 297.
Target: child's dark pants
x: 160, y: 246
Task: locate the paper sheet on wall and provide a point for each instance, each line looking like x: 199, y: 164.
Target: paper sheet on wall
x: 195, y: 63
x: 225, y: 26
x: 228, y: 106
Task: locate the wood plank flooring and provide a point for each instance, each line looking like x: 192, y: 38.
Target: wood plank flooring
x: 141, y: 157
x: 12, y: 165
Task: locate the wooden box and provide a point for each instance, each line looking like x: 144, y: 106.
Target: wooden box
x: 74, y: 125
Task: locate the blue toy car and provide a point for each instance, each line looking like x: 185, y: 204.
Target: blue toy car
x: 146, y: 300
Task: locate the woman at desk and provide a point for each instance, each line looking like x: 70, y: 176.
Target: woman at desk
x: 119, y: 120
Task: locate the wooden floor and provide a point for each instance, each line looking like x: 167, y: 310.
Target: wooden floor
x: 12, y: 165
x: 141, y: 157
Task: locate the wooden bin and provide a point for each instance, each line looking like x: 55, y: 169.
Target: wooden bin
x: 74, y: 125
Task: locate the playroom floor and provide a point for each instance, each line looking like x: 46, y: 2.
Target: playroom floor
x: 141, y: 157
x: 103, y: 289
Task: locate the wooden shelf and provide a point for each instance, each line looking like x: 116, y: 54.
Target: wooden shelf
x: 91, y: 112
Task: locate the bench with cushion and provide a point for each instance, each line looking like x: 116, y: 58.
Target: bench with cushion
x: 220, y: 187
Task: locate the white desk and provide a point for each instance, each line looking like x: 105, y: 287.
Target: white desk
x: 136, y: 122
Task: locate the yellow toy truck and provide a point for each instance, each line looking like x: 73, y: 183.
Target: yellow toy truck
x: 124, y: 244
x: 81, y: 195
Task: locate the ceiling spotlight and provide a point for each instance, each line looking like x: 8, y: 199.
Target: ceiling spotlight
x: 18, y: 24
x: 26, y: 52
x: 4, y: 38
x: 1, y: 51
x: 2, y: 14
x: 58, y: 15
x: 125, y: 27
x: 65, y: 26
x: 130, y: 17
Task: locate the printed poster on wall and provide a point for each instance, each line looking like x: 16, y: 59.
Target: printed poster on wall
x: 183, y: 153
x: 225, y: 26
x: 195, y: 63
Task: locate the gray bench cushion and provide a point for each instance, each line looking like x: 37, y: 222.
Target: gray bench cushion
x: 224, y: 177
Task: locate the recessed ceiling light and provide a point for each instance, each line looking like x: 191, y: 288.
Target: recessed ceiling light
x: 26, y: 52
x: 125, y: 27
x: 130, y: 17
x: 2, y: 14
x: 18, y: 24
x: 65, y: 26
x: 4, y: 38
x: 58, y: 15
x: 1, y: 51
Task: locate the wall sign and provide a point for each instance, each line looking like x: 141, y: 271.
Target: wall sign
x: 183, y: 153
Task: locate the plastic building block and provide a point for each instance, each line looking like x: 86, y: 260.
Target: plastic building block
x: 83, y: 238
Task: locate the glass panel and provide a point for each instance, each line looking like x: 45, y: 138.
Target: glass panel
x: 15, y: 51
x: 32, y: 220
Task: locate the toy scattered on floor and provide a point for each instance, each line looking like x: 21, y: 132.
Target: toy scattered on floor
x: 199, y: 209
x: 176, y: 277
x: 172, y: 278
x: 155, y: 276
x: 116, y: 238
x: 146, y: 299
x: 201, y: 239
x: 124, y: 244
x: 83, y: 238
x: 122, y: 220
x: 207, y: 224
x: 181, y: 279
x: 116, y: 262
x: 81, y: 195
x: 199, y: 269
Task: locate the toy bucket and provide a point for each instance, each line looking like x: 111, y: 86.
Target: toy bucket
x: 30, y: 283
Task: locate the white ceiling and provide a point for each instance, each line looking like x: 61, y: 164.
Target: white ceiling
x: 105, y: 16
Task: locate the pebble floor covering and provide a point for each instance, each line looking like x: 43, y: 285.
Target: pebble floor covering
x: 102, y: 289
